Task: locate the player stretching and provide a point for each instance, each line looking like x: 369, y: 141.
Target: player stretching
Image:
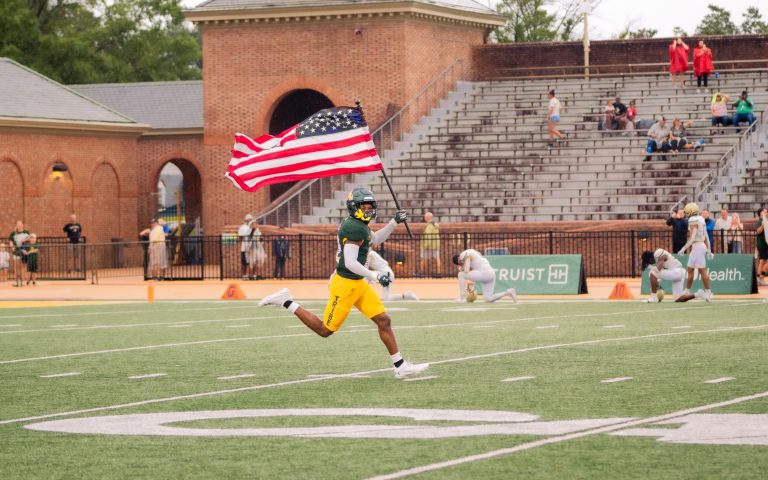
x: 698, y: 241
x: 349, y: 285
x: 665, y: 267
x: 381, y: 267
x: 474, y: 267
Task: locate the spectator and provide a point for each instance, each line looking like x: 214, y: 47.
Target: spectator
x: 710, y: 224
x: 702, y: 65
x: 761, y: 245
x: 719, y: 109
x: 166, y: 228
x: 15, y: 240
x: 679, y: 224
x: 553, y: 117
x: 658, y: 136
x: 744, y: 108
x: 244, y: 235
x: 620, y: 113
x: 678, y: 60
x: 632, y: 113
x: 736, y: 234
x: 73, y: 230
x: 430, y: 245
x: 256, y: 254
x: 29, y: 250
x: 158, y: 259
x: 677, y: 139
x: 722, y: 226
x: 5, y: 262
x: 608, y: 113
x: 281, y: 250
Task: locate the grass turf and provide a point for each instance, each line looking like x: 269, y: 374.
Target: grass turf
x: 474, y: 349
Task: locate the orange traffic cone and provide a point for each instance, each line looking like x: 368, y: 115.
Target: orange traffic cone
x: 620, y: 292
x: 233, y: 292
x: 151, y: 291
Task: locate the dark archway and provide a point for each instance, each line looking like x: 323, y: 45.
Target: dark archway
x: 292, y: 109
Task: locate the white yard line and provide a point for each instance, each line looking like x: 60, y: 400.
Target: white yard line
x: 680, y: 327
x: 58, y: 375
x: 564, y: 438
x: 126, y: 312
x: 234, y: 377
x: 418, y: 379
x: 614, y: 326
x: 518, y: 379
x: 616, y: 380
x: 148, y: 375
x: 720, y: 380
x: 185, y: 325
x: 542, y: 327
x: 237, y: 326
x: 11, y: 325
x: 484, y: 326
x: 362, y: 373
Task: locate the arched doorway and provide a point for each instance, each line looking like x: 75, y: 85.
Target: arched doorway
x: 11, y: 195
x: 178, y: 198
x: 292, y: 109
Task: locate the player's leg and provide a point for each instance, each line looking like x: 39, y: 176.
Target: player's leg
x: 462, y: 276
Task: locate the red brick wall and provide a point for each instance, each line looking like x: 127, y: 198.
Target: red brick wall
x: 248, y: 68
x: 493, y: 60
x: 27, y: 192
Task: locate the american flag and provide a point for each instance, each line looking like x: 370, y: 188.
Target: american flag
x: 331, y: 142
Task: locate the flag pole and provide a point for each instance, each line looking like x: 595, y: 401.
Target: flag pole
x: 386, y: 179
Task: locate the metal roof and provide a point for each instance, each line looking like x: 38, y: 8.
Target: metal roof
x: 466, y: 5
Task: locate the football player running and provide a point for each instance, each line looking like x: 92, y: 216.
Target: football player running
x: 381, y: 267
x: 473, y: 267
x: 664, y: 267
x: 701, y: 250
x: 349, y: 285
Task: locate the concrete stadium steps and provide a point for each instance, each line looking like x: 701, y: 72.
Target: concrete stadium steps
x: 489, y: 159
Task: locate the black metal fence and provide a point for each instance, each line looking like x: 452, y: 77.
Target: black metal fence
x: 606, y: 254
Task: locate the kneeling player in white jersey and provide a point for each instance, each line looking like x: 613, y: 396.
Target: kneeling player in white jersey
x: 475, y: 268
x: 665, y: 267
x: 698, y: 242
x: 377, y: 264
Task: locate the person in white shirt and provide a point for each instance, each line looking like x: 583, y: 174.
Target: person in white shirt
x: 5, y: 259
x: 701, y: 250
x: 244, y: 236
x: 473, y: 267
x: 722, y: 225
x: 553, y: 118
x: 664, y: 267
x: 256, y: 256
x: 158, y: 258
x: 377, y: 264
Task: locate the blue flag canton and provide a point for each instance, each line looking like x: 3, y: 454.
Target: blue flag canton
x: 330, y: 120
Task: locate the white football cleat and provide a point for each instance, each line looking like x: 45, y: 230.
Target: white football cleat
x: 408, y: 369
x: 459, y: 300
x: 278, y: 298
x: 652, y: 298
x: 409, y: 295
x: 702, y: 295
x: 512, y: 294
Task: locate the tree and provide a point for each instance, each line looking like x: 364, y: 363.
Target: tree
x: 753, y: 22
x: 88, y: 41
x: 679, y: 32
x: 530, y: 21
x: 629, y: 33
x: 717, y: 22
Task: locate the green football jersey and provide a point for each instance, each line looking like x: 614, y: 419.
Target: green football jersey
x: 354, y: 230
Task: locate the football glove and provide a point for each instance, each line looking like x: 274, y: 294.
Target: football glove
x: 710, y: 255
x: 401, y: 216
x: 384, y: 279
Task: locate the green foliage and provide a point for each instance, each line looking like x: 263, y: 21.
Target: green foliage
x: 753, y: 22
x: 91, y: 41
x: 679, y: 32
x: 717, y: 22
x: 530, y: 21
x: 628, y: 33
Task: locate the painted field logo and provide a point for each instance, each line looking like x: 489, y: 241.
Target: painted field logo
x: 720, y: 429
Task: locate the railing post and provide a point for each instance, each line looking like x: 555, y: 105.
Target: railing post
x: 551, y: 242
x: 632, y: 254
x: 466, y: 240
x: 221, y: 258
x: 301, y: 256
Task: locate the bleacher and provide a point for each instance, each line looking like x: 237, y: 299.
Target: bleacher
x: 489, y: 160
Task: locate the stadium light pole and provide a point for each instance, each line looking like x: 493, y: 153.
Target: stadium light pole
x: 585, y: 11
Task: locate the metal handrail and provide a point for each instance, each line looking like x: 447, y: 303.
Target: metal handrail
x: 384, y: 137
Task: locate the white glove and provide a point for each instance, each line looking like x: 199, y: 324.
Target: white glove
x: 710, y: 255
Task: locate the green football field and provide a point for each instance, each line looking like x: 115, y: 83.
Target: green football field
x: 535, y: 390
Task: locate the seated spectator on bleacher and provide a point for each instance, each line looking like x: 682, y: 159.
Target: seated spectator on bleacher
x: 677, y: 136
x: 632, y: 113
x: 719, y: 109
x: 744, y: 107
x: 608, y: 113
x: 658, y: 139
x: 620, y: 113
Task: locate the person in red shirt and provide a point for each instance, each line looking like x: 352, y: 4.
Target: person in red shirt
x: 678, y: 60
x: 702, y: 65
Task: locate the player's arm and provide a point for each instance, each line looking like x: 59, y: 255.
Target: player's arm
x: 383, y: 234
x: 351, y: 250
x: 660, y: 262
x: 691, y: 235
x: 467, y: 264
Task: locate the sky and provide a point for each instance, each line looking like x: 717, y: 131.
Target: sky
x: 612, y: 16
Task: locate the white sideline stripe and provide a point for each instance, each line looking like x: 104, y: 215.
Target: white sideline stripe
x: 616, y: 380
x: 418, y: 379
x: 548, y: 326
x: 236, y: 326
x: 148, y: 375
x: 614, y: 326
x: 57, y: 375
x: 11, y: 325
x: 564, y: 438
x: 186, y: 325
x: 484, y: 326
x: 359, y: 374
x: 518, y: 379
x: 124, y: 312
x: 679, y: 327
x: 64, y: 326
x: 233, y: 377
x: 720, y: 380
x: 401, y: 327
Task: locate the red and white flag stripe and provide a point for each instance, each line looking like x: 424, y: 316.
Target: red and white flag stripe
x: 286, y: 158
